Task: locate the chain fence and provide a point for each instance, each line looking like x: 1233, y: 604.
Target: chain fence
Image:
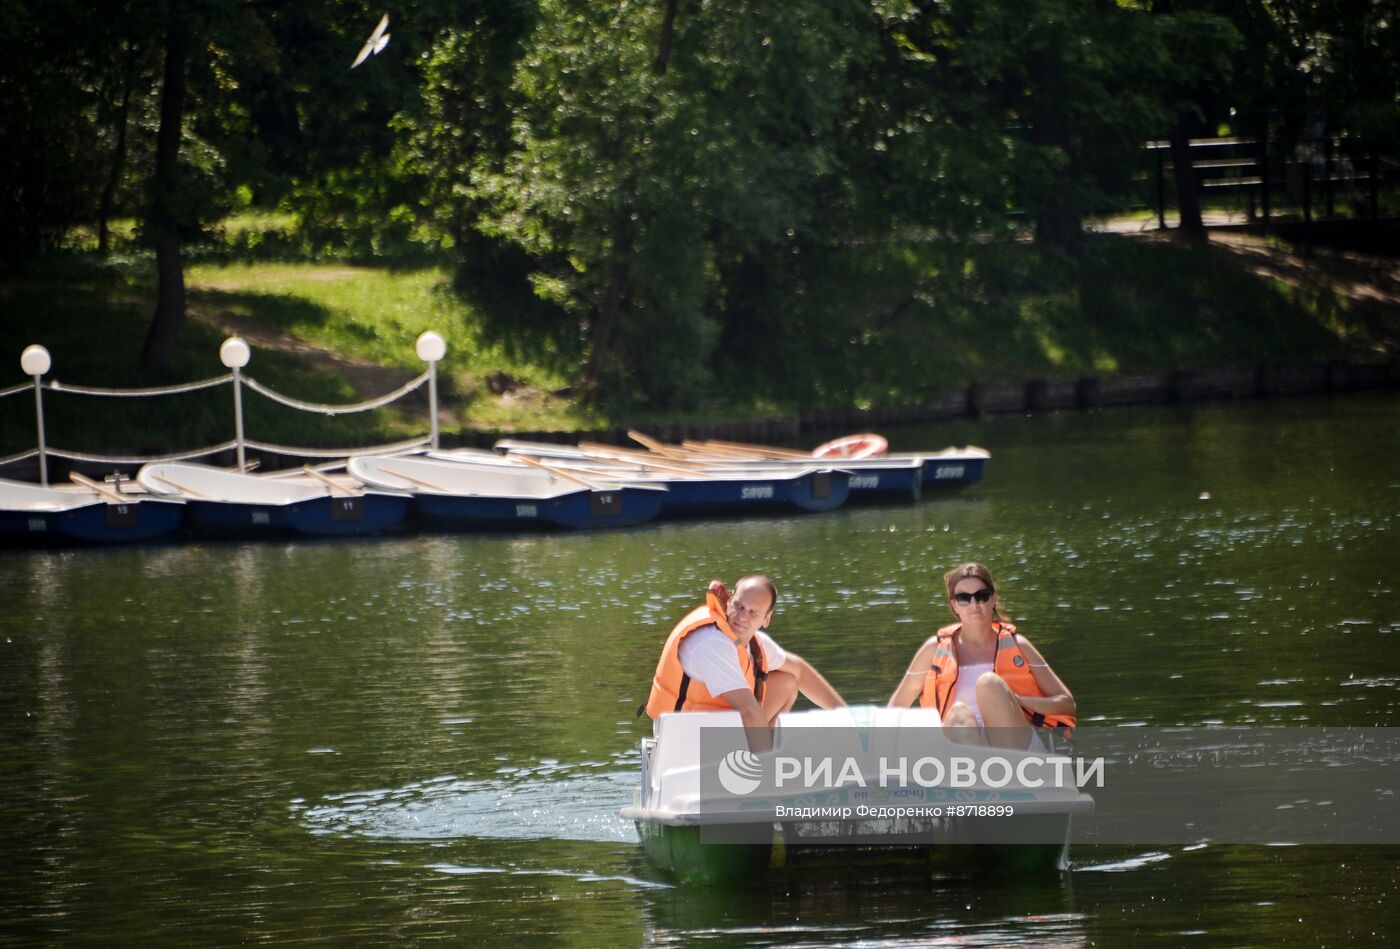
x: 237, y: 380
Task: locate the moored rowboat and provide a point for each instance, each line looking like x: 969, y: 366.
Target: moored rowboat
x: 459, y: 496
x: 690, y: 490
x: 89, y: 512
x: 221, y: 503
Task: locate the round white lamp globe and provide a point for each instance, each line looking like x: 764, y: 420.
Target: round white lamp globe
x: 234, y: 353
x: 35, y: 360
x: 431, y: 347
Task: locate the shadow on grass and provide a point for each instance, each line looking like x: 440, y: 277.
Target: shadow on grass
x: 898, y: 323
x: 94, y: 331
x: 272, y: 310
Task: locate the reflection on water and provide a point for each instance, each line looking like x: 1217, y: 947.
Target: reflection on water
x: 1124, y: 866
x: 878, y: 907
x: 428, y: 737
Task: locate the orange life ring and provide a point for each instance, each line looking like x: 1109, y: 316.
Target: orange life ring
x: 866, y: 445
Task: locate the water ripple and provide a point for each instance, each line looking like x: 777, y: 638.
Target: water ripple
x: 549, y: 802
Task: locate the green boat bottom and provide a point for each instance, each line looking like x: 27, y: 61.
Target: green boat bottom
x: 687, y: 854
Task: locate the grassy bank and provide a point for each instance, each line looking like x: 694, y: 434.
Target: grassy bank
x: 894, y: 324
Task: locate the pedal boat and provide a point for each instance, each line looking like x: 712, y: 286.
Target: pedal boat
x: 696, y: 835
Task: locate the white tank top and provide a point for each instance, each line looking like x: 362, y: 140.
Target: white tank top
x: 965, y: 689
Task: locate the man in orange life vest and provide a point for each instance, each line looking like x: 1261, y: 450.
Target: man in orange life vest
x: 718, y: 658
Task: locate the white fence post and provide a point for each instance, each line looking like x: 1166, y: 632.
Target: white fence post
x: 234, y: 354
x: 431, y: 348
x: 35, y: 362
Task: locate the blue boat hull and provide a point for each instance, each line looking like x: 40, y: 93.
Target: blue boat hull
x: 101, y: 523
x: 348, y: 516
x: 943, y: 474
x: 623, y: 507
x: 317, y: 517
x: 886, y: 484
x: 818, y: 491
x: 221, y: 519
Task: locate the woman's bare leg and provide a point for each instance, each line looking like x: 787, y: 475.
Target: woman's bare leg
x: 1001, y: 714
x: 960, y: 724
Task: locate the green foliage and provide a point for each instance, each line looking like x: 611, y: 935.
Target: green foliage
x: 875, y: 324
x: 58, y: 81
x: 635, y: 176
x: 637, y: 197
x: 896, y: 323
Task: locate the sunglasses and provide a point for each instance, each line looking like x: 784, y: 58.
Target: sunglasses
x: 981, y: 596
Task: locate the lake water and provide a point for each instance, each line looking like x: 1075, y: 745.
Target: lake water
x: 428, y: 737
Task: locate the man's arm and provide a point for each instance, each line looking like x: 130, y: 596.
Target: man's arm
x: 757, y: 728
x: 811, y: 683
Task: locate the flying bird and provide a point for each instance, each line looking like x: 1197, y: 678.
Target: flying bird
x: 375, y: 44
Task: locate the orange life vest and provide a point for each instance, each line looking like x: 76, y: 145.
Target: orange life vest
x: 1010, y: 663
x: 674, y: 691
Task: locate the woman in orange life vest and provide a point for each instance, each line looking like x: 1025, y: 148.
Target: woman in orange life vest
x: 718, y: 658
x: 981, y: 673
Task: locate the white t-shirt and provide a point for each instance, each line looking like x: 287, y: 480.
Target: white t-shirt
x: 709, y: 656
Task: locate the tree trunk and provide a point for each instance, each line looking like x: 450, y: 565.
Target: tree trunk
x: 165, y: 197
x: 1059, y: 220
x: 600, y: 344
x: 114, y: 176
x: 1188, y: 198
x: 663, y: 50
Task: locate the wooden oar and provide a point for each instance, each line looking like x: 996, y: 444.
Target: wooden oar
x: 101, y: 489
x: 180, y: 487
x: 557, y: 472
x: 613, y: 451
x: 760, y: 449
x: 331, y: 482
x: 644, y: 460
x: 659, y: 447
x: 731, y: 454
x: 719, y: 454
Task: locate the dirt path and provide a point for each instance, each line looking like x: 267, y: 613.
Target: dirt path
x: 1364, y: 289
x: 1352, y: 276
x: 366, y: 378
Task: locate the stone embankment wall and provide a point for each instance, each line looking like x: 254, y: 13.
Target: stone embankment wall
x: 1267, y: 380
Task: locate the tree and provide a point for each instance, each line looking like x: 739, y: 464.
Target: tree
x: 159, y: 347
x: 652, y: 148
x: 1194, y: 64
x: 58, y: 61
